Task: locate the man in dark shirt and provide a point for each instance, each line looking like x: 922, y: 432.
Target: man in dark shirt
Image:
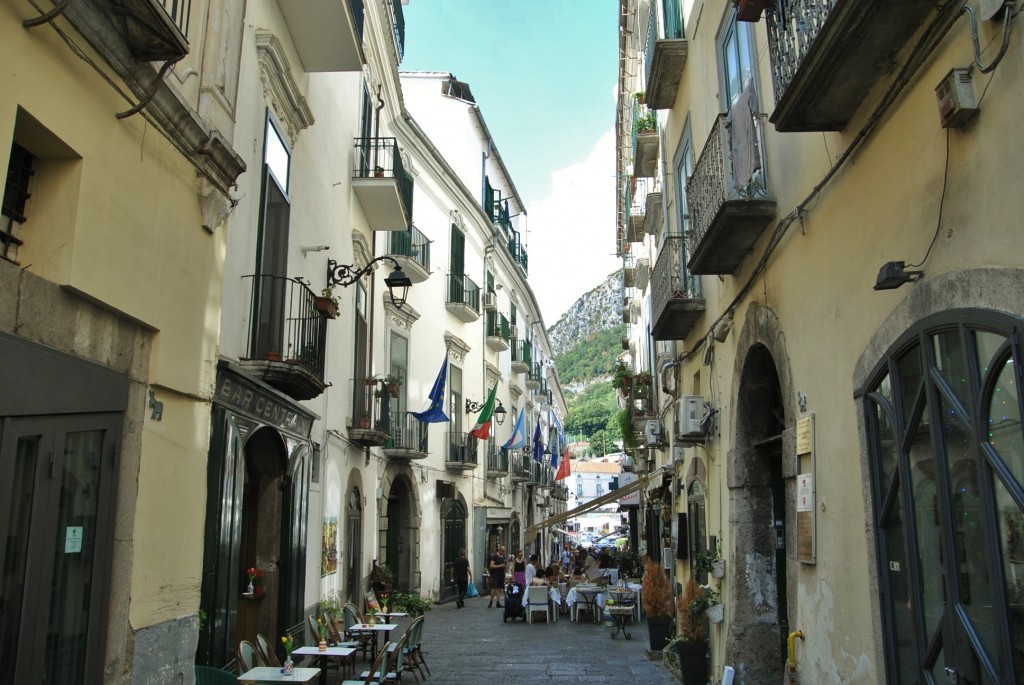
x: 496, y: 567
x: 461, y: 575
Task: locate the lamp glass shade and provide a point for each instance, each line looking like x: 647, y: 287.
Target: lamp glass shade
x: 400, y: 282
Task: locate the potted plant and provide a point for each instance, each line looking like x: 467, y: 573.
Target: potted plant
x: 692, y: 645
x: 378, y: 171
x: 657, y: 599
x: 709, y: 562
x: 393, y: 381
x: 624, y: 420
x: 648, y: 121
x: 412, y: 604
x: 327, y: 303
x: 622, y: 378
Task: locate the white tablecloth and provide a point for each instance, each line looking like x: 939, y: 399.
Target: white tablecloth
x: 554, y: 597
x: 573, y: 597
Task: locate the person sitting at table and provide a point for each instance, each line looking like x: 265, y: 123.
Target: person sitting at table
x: 590, y: 569
x: 531, y: 570
x: 554, y: 573
x: 541, y: 578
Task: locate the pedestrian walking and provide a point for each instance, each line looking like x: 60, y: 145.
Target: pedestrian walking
x: 461, y: 576
x: 496, y: 566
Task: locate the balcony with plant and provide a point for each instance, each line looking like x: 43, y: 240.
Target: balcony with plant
x: 645, y: 141
x: 463, y: 298
x: 462, y: 451
x: 411, y: 249
x: 826, y: 57
x: 730, y: 198
x: 288, y: 336
x: 382, y: 184
x: 665, y: 55
x: 676, y: 302
x: 371, y: 413
x: 497, y: 331
x: 519, y: 466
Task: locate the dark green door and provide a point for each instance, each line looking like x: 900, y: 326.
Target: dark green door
x: 453, y: 523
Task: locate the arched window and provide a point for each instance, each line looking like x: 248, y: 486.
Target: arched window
x: 943, y: 417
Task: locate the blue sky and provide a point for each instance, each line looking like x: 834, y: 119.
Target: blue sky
x: 543, y: 73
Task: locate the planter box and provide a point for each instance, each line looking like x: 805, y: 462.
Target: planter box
x: 326, y: 305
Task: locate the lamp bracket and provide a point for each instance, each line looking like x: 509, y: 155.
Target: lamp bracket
x: 346, y: 274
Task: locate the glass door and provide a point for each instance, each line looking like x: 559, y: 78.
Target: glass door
x: 57, y: 535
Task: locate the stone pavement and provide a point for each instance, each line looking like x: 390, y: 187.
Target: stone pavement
x: 472, y: 646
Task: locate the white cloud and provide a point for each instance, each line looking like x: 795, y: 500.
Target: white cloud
x: 572, y: 231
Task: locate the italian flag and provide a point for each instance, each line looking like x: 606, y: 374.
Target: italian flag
x: 482, y: 429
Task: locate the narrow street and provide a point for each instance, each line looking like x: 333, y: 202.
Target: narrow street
x: 472, y: 646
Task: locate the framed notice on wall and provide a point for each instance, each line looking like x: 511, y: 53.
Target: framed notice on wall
x: 806, y: 523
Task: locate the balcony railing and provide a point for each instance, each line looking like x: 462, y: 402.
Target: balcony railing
x: 412, y: 250
x: 535, y: 376
x: 154, y: 30
x: 827, y: 55
x: 727, y: 214
x: 519, y: 465
x: 521, y: 354
x: 408, y: 438
x: 463, y: 297
x: 517, y: 250
x: 641, y: 400
x: 371, y: 413
x: 382, y: 184
x: 497, y: 461
x: 287, y: 336
x: 560, y: 492
x: 399, y: 27
x: 462, y: 448
x: 665, y: 57
x: 676, y: 302
x: 497, y: 331
x: 540, y: 474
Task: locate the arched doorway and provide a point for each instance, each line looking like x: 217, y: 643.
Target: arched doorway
x: 263, y: 512
x: 400, y: 538
x: 353, y: 546
x: 757, y: 634
x: 453, y: 538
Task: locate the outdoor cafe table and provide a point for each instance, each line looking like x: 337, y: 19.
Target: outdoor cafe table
x: 554, y: 596
x: 589, y: 596
x: 273, y: 674
x: 375, y: 629
x: 393, y: 614
x: 320, y: 655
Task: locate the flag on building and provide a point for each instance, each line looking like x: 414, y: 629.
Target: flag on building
x: 560, y: 439
x: 564, y: 469
x: 482, y: 429
x: 435, y: 412
x: 538, y: 445
x: 519, y: 438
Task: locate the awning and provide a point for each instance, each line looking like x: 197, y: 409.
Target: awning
x: 595, y: 503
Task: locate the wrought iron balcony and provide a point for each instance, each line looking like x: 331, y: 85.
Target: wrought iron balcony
x: 152, y: 30
x: 497, y: 331
x: 676, y: 302
x: 727, y: 215
x: 371, y: 413
x: 665, y: 57
x: 827, y: 56
x: 411, y: 249
x: 645, y: 141
x: 408, y: 438
x: 382, y: 184
x: 636, y: 194
x: 641, y: 401
x: 521, y: 354
x: 560, y: 492
x: 540, y: 475
x: 628, y: 272
x: 287, y: 336
x: 518, y: 251
x: 497, y: 461
x: 327, y: 34
x: 535, y: 376
x: 462, y: 448
x: 398, y: 25
x: 463, y: 298
x: 519, y: 465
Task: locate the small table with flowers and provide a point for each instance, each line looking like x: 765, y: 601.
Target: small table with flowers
x: 314, y: 651
x: 275, y: 674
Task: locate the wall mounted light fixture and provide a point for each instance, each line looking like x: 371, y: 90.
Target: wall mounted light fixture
x: 499, y: 411
x: 346, y: 274
x: 893, y: 274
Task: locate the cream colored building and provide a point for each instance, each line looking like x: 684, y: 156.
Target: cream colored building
x: 109, y: 336
x: 822, y: 239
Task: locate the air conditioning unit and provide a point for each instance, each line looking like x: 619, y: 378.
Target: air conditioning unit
x: 690, y: 413
x: 654, y: 433
x: 490, y: 301
x: 513, y: 332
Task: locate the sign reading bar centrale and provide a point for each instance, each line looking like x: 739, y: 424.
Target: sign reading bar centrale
x: 247, y: 398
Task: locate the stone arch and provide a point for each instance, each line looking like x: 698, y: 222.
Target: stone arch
x: 761, y: 486
x: 400, y: 519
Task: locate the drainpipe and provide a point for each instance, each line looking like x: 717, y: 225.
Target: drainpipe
x: 792, y: 669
